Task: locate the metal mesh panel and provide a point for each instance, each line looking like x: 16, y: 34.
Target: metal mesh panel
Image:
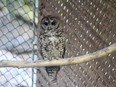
x: 16, y: 41
x: 89, y: 25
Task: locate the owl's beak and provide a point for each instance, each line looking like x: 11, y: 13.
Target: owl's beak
x: 49, y: 28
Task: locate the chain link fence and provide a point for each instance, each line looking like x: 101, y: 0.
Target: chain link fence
x: 89, y: 25
x: 16, y: 41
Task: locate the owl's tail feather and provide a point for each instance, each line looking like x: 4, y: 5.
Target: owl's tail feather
x: 52, y: 72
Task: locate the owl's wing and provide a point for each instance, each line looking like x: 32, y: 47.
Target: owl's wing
x: 63, y: 47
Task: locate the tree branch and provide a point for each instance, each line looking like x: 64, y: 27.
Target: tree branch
x: 68, y: 61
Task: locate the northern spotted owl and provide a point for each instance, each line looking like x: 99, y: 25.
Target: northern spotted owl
x: 52, y: 45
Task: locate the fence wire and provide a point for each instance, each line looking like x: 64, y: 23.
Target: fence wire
x: 89, y: 25
x: 18, y: 19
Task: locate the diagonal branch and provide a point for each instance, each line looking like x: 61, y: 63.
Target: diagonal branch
x: 68, y: 61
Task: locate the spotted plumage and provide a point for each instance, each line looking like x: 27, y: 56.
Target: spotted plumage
x: 51, y: 43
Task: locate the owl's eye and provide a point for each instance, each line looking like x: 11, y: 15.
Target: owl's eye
x: 53, y: 23
x: 46, y: 23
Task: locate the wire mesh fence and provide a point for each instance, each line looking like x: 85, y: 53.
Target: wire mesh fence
x: 89, y: 25
x: 16, y: 41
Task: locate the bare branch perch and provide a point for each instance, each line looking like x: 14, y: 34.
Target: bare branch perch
x: 68, y: 61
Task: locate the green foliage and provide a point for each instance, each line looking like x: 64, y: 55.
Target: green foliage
x: 20, y: 8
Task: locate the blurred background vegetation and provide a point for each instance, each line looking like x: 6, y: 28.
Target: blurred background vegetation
x: 19, y: 8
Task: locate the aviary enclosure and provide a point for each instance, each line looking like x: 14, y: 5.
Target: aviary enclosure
x: 88, y: 26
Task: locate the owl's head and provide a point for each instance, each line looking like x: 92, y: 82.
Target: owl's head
x: 50, y: 23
